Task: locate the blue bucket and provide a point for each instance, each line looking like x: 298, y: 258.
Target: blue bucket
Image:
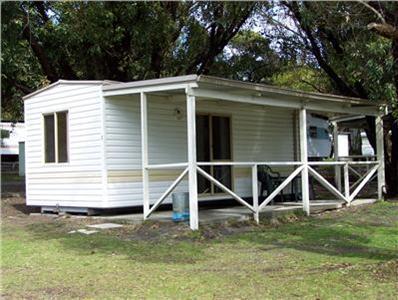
x: 180, y: 207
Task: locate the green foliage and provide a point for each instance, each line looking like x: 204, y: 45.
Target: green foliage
x: 259, y: 42
x: 20, y: 71
x: 333, y: 37
x: 46, y: 41
x: 302, y: 78
x: 4, y: 134
x: 248, y: 57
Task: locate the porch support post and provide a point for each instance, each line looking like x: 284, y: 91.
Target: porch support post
x: 192, y: 164
x: 304, y: 159
x: 144, y: 153
x: 256, y: 214
x: 347, y: 183
x: 380, y: 156
x: 337, y: 168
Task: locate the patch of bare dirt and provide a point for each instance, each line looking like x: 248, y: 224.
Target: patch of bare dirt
x: 48, y: 293
x: 15, y: 211
x: 386, y: 271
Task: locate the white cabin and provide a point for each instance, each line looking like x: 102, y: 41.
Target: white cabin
x: 102, y: 144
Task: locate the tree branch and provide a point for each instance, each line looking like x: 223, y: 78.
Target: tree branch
x: 38, y: 50
x: 377, y: 13
x: 23, y: 88
x: 343, y: 87
x: 384, y: 30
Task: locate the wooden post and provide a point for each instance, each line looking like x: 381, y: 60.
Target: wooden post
x: 192, y: 172
x: 337, y: 168
x: 304, y: 159
x: 380, y: 156
x: 347, y: 183
x: 256, y: 214
x: 144, y: 153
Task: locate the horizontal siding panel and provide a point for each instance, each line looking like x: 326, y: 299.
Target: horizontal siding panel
x: 77, y: 199
x: 70, y: 104
x: 60, y: 93
x: 71, y: 172
x: 63, y: 191
x: 89, y: 182
x: 78, y: 182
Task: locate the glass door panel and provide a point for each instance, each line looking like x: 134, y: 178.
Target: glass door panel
x: 221, y: 138
x: 221, y: 150
x: 203, y: 150
x: 213, y: 143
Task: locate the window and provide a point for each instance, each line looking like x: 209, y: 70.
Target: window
x: 62, y: 136
x: 49, y: 138
x: 56, y: 137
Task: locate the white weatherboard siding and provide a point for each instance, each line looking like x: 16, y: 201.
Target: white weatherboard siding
x: 77, y: 183
x: 258, y: 134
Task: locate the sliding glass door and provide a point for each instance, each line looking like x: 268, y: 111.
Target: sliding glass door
x: 213, y: 134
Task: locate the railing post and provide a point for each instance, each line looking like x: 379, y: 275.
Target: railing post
x: 192, y: 164
x: 144, y: 153
x: 380, y: 156
x: 337, y: 169
x: 256, y: 214
x: 304, y: 160
x: 346, y: 183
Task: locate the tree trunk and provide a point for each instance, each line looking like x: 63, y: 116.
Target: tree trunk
x: 392, y: 176
x: 392, y: 164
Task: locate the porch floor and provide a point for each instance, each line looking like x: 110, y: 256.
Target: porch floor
x: 237, y: 213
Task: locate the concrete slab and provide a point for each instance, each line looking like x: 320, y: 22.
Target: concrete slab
x: 105, y: 226
x: 363, y: 202
x: 87, y: 232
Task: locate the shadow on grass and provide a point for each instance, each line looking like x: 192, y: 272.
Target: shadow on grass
x: 350, y: 235
x: 370, y: 233
x: 326, y: 241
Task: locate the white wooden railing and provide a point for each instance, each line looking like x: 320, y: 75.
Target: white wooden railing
x: 168, y: 191
x: 348, y: 195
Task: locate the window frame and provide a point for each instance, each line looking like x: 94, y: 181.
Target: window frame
x: 56, y: 160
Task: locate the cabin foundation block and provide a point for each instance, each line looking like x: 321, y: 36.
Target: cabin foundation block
x: 68, y: 209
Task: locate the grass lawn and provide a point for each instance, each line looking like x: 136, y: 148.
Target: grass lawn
x: 7, y: 177
x: 346, y: 254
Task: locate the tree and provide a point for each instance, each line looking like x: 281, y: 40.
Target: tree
x: 335, y: 38
x: 387, y: 27
x: 121, y: 41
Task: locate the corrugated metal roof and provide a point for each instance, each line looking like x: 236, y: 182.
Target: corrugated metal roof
x: 217, y: 82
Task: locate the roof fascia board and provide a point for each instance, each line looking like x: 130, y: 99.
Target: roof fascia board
x: 147, y: 89
x: 284, y: 103
x: 152, y: 82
